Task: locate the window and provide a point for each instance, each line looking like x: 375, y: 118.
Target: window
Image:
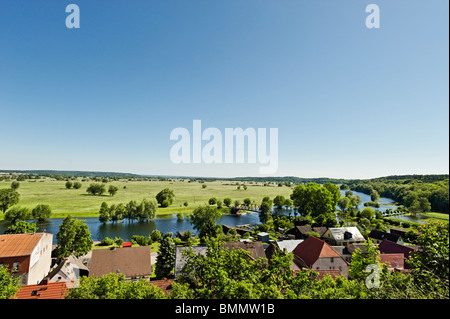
x: 332, y: 259
x: 15, y: 267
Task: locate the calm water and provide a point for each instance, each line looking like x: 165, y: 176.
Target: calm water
x: 126, y: 230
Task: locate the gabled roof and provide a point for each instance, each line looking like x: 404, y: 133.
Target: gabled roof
x: 393, y: 260
x: 255, y: 248
x: 130, y: 261
x: 289, y: 245
x: 380, y: 235
x: 53, y: 290
x: 389, y: 247
x: 346, y: 234
x: 19, y: 244
x: 313, y: 248
x: 181, y: 260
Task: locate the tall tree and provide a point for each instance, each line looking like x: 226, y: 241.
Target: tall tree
x: 165, y: 261
x: 73, y: 238
x: 8, y: 197
x: 41, y: 212
x: 112, y: 190
x: 204, y: 220
x: 312, y: 199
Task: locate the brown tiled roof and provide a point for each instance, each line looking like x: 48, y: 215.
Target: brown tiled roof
x: 323, y: 272
x: 312, y: 248
x: 18, y: 244
x: 393, y: 260
x: 130, y: 261
x: 53, y: 290
x: 255, y: 248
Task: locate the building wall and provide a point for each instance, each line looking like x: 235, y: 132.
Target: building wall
x: 328, y: 263
x: 41, y: 267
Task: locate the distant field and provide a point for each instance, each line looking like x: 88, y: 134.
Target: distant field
x: 77, y: 202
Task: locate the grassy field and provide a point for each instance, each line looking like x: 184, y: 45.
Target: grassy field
x: 78, y: 203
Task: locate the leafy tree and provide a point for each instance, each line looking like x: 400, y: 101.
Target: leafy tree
x: 165, y: 197
x: 279, y: 201
x: 374, y: 196
x: 344, y: 203
x: 114, y: 286
x: 8, y: 197
x: 146, y: 210
x: 227, y: 201
x: 265, y: 211
x: 165, y: 261
x: 212, y: 201
x: 204, y: 220
x: 247, y: 201
x: 15, y: 185
x: 313, y: 199
x: 96, y: 189
x: 430, y: 266
x: 73, y: 238
x: 77, y: 185
x: 118, y: 241
x: 22, y: 227
x: 368, y: 213
x: 156, y: 235
x: 288, y: 202
x: 335, y: 192
x: 104, y: 213
x: 112, y: 190
x: 8, y: 284
x: 69, y: 184
x: 17, y: 213
x: 41, y: 212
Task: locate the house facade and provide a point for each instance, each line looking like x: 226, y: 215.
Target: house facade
x: 27, y: 256
x: 315, y: 254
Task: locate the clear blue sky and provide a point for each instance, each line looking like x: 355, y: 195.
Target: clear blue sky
x: 348, y: 101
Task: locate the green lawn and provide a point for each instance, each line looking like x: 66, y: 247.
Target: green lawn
x: 79, y: 203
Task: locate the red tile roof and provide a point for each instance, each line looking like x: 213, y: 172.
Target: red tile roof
x: 53, y: 290
x: 393, y: 260
x: 18, y: 244
x: 312, y: 248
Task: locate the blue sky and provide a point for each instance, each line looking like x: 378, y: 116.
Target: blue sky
x: 348, y: 101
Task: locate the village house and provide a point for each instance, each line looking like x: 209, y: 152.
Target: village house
x: 181, y: 260
x: 133, y: 262
x: 393, y: 261
x: 389, y: 247
x: 69, y: 269
x: 315, y: 254
x: 255, y: 248
x: 340, y: 236
x: 378, y: 236
x: 27, y: 256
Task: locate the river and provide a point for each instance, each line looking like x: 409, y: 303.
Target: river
x: 126, y: 230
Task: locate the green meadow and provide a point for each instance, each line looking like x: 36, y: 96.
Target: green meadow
x: 78, y: 203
